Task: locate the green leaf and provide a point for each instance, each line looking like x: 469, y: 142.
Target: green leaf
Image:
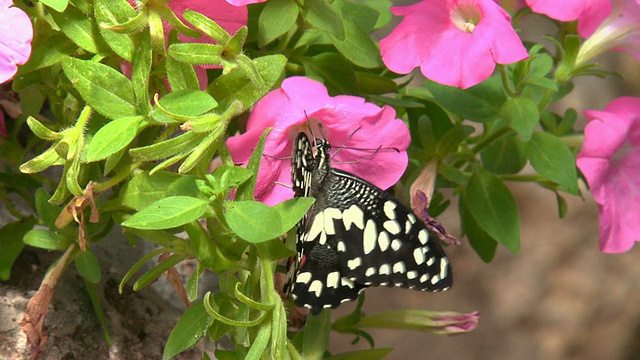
x: 522, y: 115
x: 375, y: 84
x: 368, y: 354
x: 505, y: 156
x: 316, y: 335
x: 235, y: 85
x: 88, y: 266
x: 196, y: 53
x: 81, y: 29
x: 382, y: 8
x: 452, y: 139
x: 11, y: 244
x: 113, y: 137
x: 332, y: 69
x: 190, y: 328
x: 168, y: 213
x: 207, y: 26
x: 47, y: 50
x: 46, y: 239
x: 253, y: 221
x: 481, y: 242
x: 246, y: 190
x: 494, y: 208
x: 47, y: 212
x: 187, y: 103
x: 181, y: 76
x: 292, y: 210
x: 357, y: 47
x: 112, y: 12
x: 360, y: 14
x: 323, y: 17
x: 208, y: 254
x: 277, y: 17
x: 106, y: 90
x: 57, y: 5
x: 144, y: 189
x: 157, y: 271
x: 142, y: 61
x: 480, y: 103
x: 551, y: 158
x: 42, y: 131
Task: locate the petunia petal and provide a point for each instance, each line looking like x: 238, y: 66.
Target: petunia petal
x: 454, y: 42
x: 610, y: 161
x: 368, y: 141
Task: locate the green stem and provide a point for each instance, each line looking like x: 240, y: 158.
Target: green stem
x: 490, y: 139
x: 505, y: 80
x: 10, y: 207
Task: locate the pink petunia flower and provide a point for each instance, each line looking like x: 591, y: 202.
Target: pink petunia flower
x: 246, y: 2
x: 610, y: 160
x: 16, y: 33
x: 454, y: 42
x: 589, y: 13
x: 620, y: 32
x: 356, y: 127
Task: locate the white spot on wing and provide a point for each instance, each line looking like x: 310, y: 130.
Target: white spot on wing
x: 431, y: 261
x: 389, y: 209
x: 443, y: 267
x: 435, y: 279
x: 329, y: 215
x: 411, y: 218
x: 423, y: 236
x: 370, y: 271
x: 354, y: 263
x: 369, y: 237
x: 383, y: 240
x: 396, y: 244
x: 392, y: 226
x: 341, y: 246
x: 346, y: 282
x: 412, y: 274
x: 399, y: 267
x: 418, y: 256
x: 385, y: 269
x: 333, y: 279
x: 316, y: 227
x: 316, y: 287
x: 353, y: 215
x: 303, y: 277
x: 424, y: 278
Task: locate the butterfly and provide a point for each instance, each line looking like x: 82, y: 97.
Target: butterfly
x: 354, y: 236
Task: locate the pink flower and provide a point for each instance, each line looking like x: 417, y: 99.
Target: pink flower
x: 15, y: 39
x: 345, y: 121
x: 589, y: 13
x: 610, y: 160
x: 454, y: 42
x: 620, y: 32
x: 246, y: 2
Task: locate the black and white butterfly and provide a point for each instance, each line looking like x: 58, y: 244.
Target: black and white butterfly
x: 355, y: 236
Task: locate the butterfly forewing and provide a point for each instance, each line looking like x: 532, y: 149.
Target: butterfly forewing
x: 354, y: 236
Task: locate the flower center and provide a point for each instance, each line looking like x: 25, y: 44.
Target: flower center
x: 465, y: 16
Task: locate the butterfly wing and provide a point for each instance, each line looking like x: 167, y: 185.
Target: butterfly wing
x: 379, y: 241
x: 355, y: 236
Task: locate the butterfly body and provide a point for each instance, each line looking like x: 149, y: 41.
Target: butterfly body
x: 355, y: 236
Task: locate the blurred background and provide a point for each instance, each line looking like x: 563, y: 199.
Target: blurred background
x: 560, y: 298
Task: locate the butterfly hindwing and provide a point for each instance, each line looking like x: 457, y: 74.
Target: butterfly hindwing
x: 381, y: 242
x: 355, y: 236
